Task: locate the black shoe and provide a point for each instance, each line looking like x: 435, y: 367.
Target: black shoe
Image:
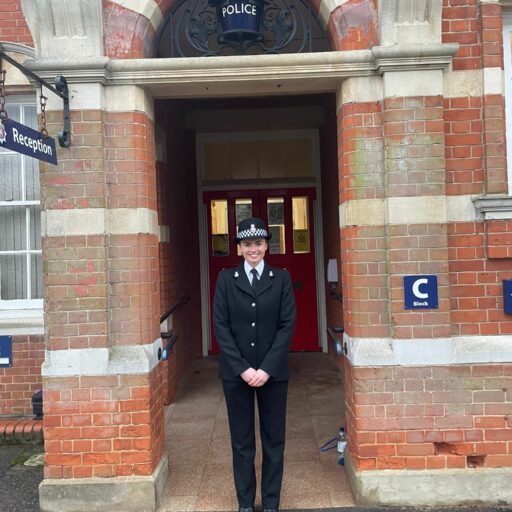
x: 246, y: 509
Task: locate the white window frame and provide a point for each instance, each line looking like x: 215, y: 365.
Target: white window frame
x: 22, y: 308
x: 507, y: 59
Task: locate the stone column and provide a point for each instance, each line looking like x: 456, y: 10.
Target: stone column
x: 102, y: 381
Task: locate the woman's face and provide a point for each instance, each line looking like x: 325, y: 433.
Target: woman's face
x: 253, y: 251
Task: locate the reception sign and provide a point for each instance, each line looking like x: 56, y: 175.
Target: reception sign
x: 22, y: 139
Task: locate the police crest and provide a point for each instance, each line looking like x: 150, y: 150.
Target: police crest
x: 3, y: 133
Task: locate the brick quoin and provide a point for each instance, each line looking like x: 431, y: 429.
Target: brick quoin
x: 361, y: 151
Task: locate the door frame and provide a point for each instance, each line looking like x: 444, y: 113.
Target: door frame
x: 315, y: 182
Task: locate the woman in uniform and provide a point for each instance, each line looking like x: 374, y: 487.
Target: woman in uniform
x: 254, y: 316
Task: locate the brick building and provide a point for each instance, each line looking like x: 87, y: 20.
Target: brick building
x: 384, y: 152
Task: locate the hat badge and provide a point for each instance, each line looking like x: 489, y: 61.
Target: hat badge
x: 253, y: 228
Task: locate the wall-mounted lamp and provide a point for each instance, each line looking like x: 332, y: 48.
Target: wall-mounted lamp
x: 332, y: 278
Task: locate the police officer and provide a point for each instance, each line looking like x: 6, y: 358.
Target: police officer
x: 254, y: 316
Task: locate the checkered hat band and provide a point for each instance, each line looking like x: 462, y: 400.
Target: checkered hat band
x: 252, y: 233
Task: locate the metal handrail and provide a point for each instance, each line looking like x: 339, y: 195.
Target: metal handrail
x: 183, y: 300
x: 168, y: 348
x: 340, y: 346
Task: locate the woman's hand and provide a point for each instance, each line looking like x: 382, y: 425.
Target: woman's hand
x: 248, y: 375
x: 255, y: 378
x: 259, y: 378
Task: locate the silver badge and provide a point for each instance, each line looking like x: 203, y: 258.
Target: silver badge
x: 3, y: 133
x: 253, y: 228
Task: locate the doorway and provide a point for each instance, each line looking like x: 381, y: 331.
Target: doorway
x: 289, y: 216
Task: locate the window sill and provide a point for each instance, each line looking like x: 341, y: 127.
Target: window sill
x: 23, y: 320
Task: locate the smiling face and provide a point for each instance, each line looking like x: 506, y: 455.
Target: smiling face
x: 253, y: 251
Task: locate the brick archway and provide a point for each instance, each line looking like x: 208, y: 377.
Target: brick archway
x: 130, y: 34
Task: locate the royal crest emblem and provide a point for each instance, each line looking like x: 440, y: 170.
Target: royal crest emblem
x: 253, y: 228
x: 3, y: 133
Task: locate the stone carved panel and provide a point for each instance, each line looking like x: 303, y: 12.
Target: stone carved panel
x: 413, y: 12
x: 410, y: 21
x: 65, y: 28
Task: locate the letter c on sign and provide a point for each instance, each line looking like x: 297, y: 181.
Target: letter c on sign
x: 416, y: 288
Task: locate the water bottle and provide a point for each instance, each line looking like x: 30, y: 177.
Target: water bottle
x: 342, y: 443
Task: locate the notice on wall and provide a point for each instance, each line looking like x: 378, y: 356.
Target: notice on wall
x: 5, y: 351
x: 300, y: 240
x: 220, y: 245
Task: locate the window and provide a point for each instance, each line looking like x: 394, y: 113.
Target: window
x: 507, y: 56
x: 20, y: 216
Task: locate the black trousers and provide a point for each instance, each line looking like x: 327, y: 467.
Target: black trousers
x: 271, y: 399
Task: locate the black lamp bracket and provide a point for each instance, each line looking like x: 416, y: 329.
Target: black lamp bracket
x: 60, y: 89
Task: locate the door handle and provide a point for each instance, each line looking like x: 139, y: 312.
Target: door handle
x: 297, y: 285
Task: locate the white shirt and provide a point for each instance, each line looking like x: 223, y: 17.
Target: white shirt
x: 259, y: 267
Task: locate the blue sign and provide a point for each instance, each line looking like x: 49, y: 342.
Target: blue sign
x: 420, y: 292
x: 5, y: 351
x: 507, y: 296
x: 22, y: 139
x: 241, y: 18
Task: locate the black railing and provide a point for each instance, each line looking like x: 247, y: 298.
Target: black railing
x: 171, y: 337
x: 340, y: 346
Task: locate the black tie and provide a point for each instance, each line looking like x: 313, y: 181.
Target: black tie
x: 254, y: 283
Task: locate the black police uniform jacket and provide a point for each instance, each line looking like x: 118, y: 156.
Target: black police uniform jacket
x: 254, y: 328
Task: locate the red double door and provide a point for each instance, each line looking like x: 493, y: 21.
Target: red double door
x: 289, y: 215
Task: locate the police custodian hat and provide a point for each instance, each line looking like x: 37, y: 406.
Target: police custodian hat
x: 251, y: 229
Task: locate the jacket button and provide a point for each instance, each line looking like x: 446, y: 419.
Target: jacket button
x: 252, y: 344
x: 253, y: 304
x: 253, y: 324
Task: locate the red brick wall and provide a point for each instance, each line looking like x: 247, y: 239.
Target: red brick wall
x: 330, y: 209
x: 103, y: 426
x: 179, y: 258
x: 363, y: 249
x: 13, y: 27
x: 23, y: 379
x: 431, y: 417
x: 476, y: 282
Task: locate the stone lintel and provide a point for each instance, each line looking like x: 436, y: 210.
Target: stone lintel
x: 247, y: 74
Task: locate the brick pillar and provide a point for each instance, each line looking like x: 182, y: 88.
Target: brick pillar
x: 102, y: 381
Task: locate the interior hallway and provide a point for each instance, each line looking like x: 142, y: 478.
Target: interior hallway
x: 198, y: 444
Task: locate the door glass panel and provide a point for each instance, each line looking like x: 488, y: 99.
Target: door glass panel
x: 301, y: 235
x: 275, y: 212
x: 243, y: 210
x: 220, y: 228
